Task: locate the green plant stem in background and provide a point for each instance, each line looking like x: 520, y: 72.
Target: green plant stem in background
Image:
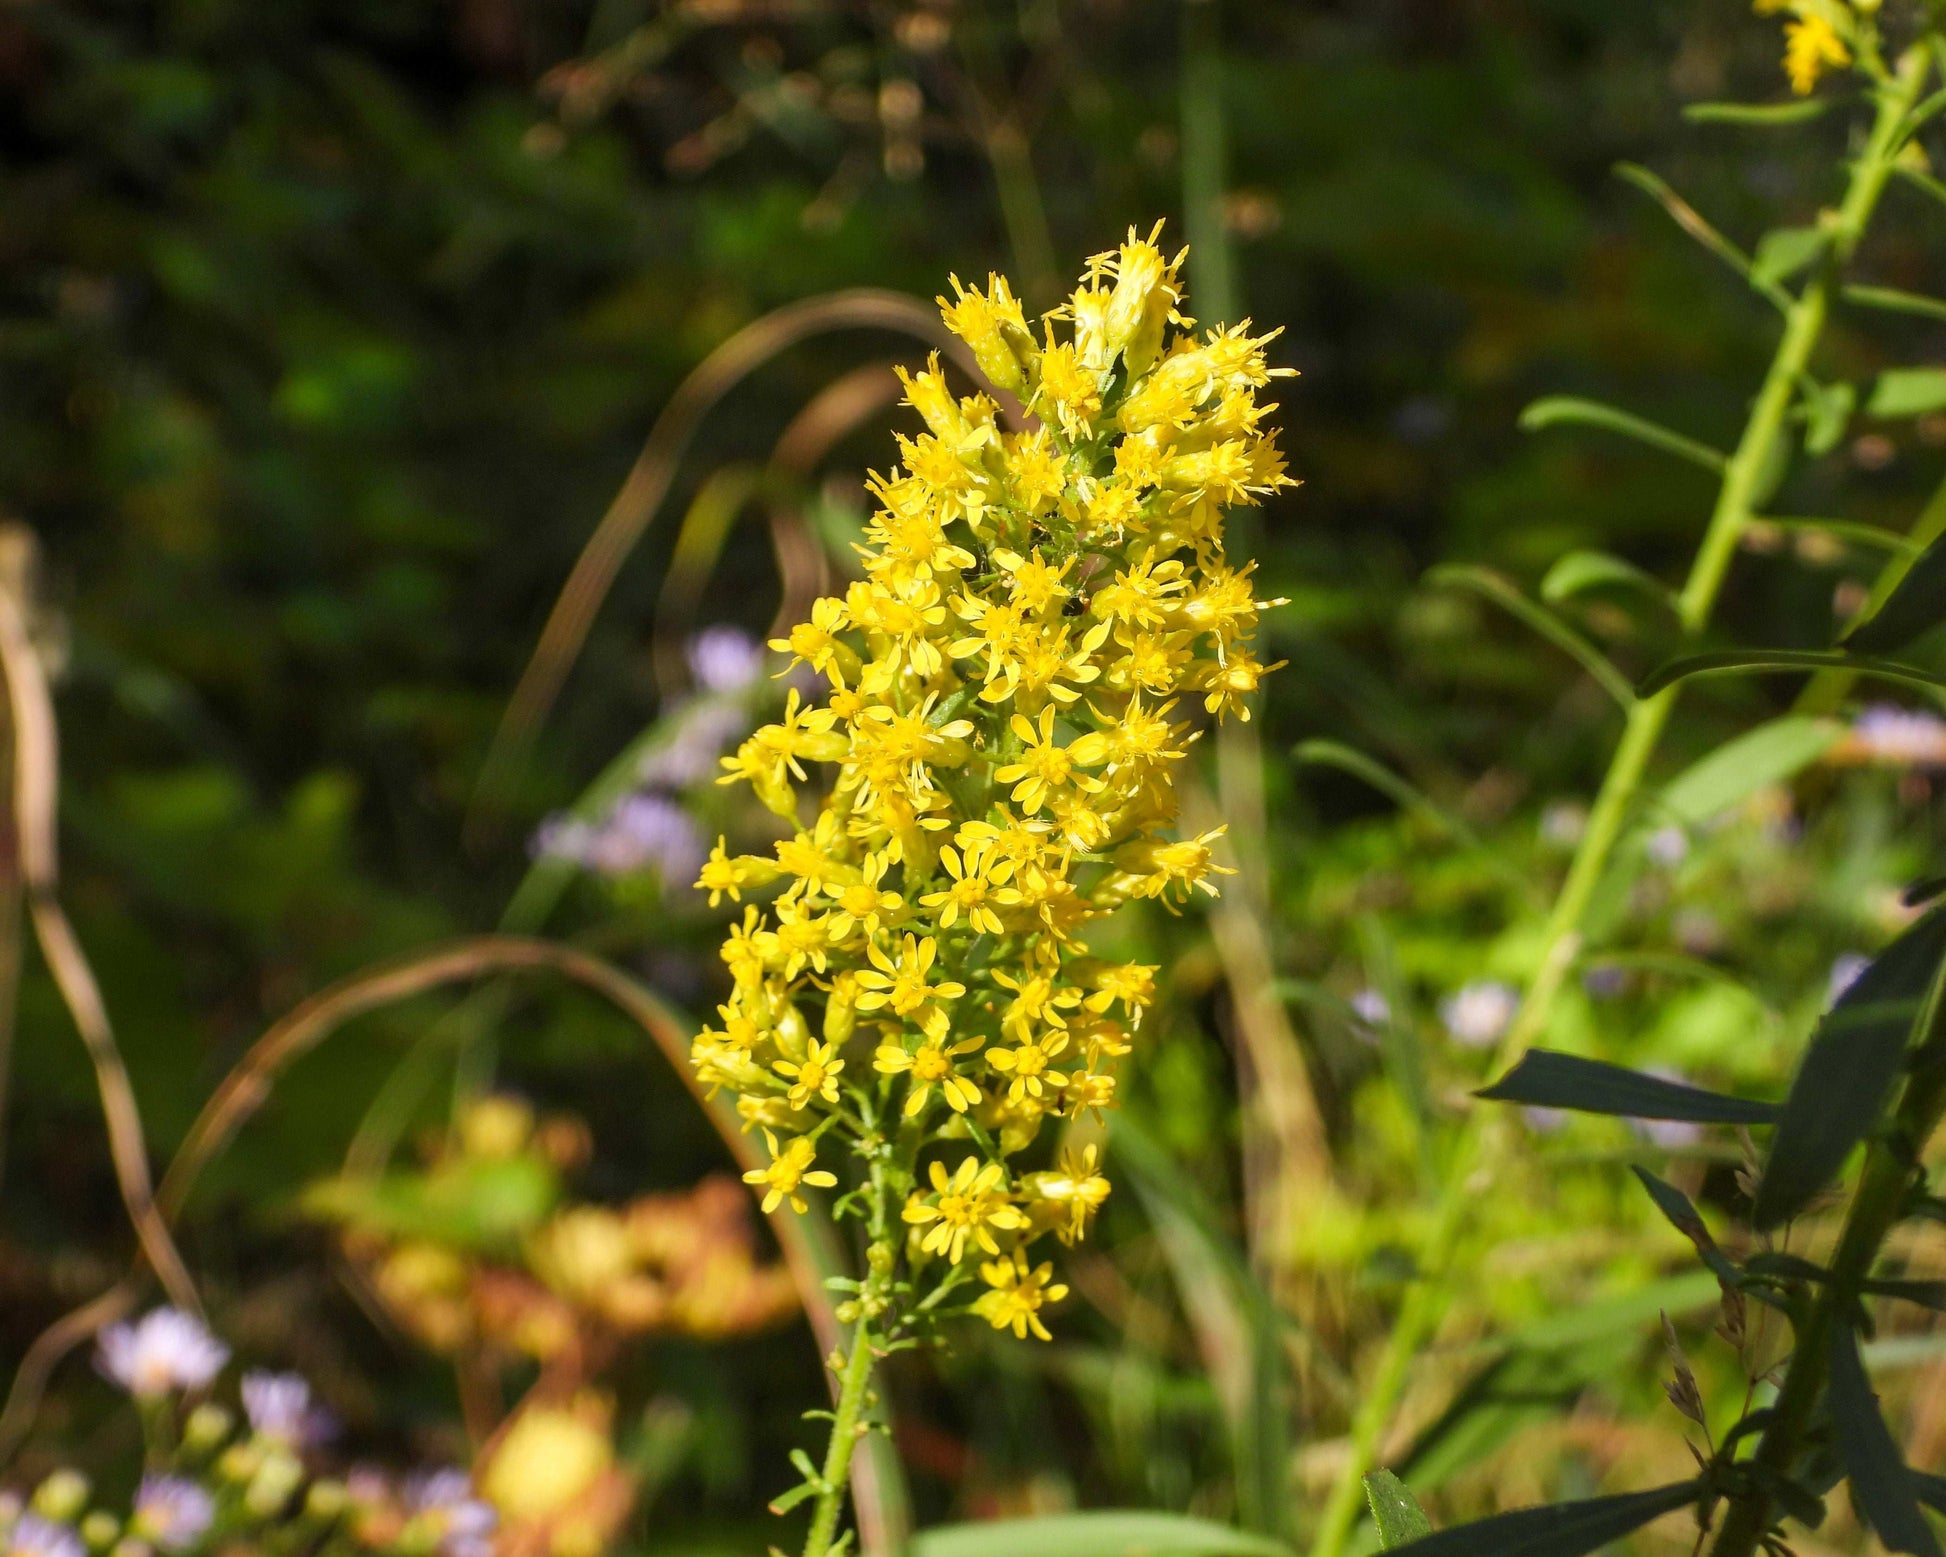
x: 1756, y: 453
x: 846, y: 1425
x: 1875, y: 1208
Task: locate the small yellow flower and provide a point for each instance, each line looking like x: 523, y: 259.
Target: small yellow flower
x: 930, y: 1065
x: 1026, y: 1065
x: 1067, y: 1197
x: 815, y: 1076
x: 1811, y: 45
x: 978, y: 882
x: 902, y: 983
x: 1018, y: 1294
x: 1044, y: 765
x: 788, y: 1171
x: 971, y: 1203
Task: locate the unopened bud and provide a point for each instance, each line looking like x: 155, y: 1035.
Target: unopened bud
x: 62, y: 1495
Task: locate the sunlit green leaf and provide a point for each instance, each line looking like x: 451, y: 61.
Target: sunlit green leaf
x: 1738, y: 769
x: 1584, y: 570
x: 1395, y: 1513
x: 1907, y: 392
x: 1752, y: 662
x: 1795, y: 112
x: 1572, y: 410
x: 1108, y: 1533
x: 1782, y: 253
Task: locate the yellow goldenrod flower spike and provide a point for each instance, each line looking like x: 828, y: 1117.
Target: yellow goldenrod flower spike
x: 1811, y: 46
x: 1045, y: 616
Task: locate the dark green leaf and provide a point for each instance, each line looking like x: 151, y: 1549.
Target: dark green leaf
x: 1853, y: 1059
x: 1912, y: 610
x: 1907, y: 392
x: 1922, y: 892
x: 1927, y: 1294
x: 1929, y: 1489
x: 1107, y: 1533
x: 1880, y: 1482
x: 1398, y: 1517
x: 1562, y: 1530
x: 1547, y: 1079
x: 1683, y: 1216
x: 1744, y: 662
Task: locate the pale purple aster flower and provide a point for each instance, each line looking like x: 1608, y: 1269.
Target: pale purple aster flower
x: 1604, y: 982
x: 1372, y: 1008
x: 1480, y: 1013
x: 280, y: 1407
x: 646, y: 831
x: 725, y: 659
x: 1908, y: 737
x: 1543, y: 1120
x: 1670, y: 1134
x: 34, y: 1536
x: 460, y: 1524
x: 162, y: 1351
x: 562, y: 837
x: 702, y: 730
x: 1668, y: 846
x: 173, y: 1511
x: 1845, y: 972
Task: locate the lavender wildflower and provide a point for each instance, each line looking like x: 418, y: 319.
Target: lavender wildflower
x: 1845, y: 972
x: 162, y: 1351
x: 172, y: 1511
x: 1906, y: 737
x: 34, y: 1536
x: 280, y: 1408
x: 444, y: 1508
x: 725, y: 659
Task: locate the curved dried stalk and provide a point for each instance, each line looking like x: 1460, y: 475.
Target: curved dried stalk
x: 36, y: 796
x: 648, y: 482
x: 803, y: 569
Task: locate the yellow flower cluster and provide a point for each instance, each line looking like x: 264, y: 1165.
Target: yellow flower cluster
x: 1814, y: 37
x: 1011, y: 686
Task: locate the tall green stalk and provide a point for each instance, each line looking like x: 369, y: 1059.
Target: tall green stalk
x: 847, y: 1426
x: 1474, y: 1155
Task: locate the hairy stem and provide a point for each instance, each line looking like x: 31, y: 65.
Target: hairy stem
x: 1760, y: 444
x: 847, y: 1427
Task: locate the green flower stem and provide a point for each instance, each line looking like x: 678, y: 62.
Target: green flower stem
x: 1475, y: 1149
x: 1875, y: 1208
x: 847, y: 1427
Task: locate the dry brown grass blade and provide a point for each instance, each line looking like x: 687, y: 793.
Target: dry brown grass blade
x: 648, y: 482
x: 803, y: 569
x: 36, y: 791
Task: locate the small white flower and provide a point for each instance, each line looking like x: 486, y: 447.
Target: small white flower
x: 1480, y: 1013
x: 172, y: 1511
x: 162, y: 1351
x: 1373, y: 1009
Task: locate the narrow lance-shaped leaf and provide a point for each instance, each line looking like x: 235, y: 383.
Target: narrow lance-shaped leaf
x: 1107, y: 1533
x: 1880, y: 1483
x: 1849, y: 1067
x: 1750, y: 662
x: 1911, y: 611
x: 1760, y: 114
x: 1892, y: 300
x: 1684, y: 1217
x: 1562, y: 1530
x: 1907, y: 392
x: 1395, y: 1512
x: 1769, y: 754
x: 1572, y: 409
x: 1584, y: 570
x: 1547, y: 1079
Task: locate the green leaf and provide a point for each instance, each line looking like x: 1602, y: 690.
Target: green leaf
x: 1572, y: 410
x: 1684, y: 1217
x: 1584, y: 570
x: 1757, y: 662
x: 1907, y: 392
x: 1913, y: 610
x: 1696, y: 226
x: 1735, y: 771
x: 1929, y: 1489
x: 1562, y: 1530
x: 1398, y: 1517
x: 1892, y: 300
x: 1107, y: 1533
x: 1783, y: 252
x: 1827, y: 412
x: 1797, y: 112
x: 1547, y: 1079
x: 1852, y: 1061
x: 1880, y: 1482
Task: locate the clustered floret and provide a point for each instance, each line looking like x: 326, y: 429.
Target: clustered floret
x: 1011, y: 688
